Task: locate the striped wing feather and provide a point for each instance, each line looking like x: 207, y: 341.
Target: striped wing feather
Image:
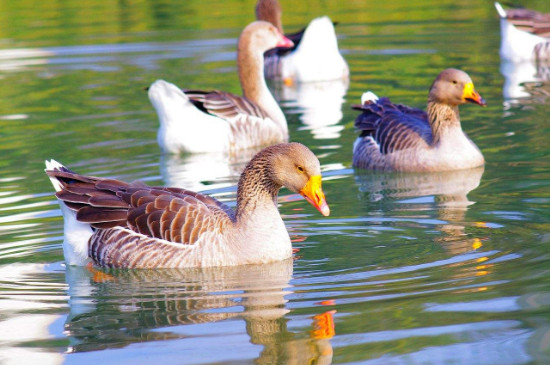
x: 394, y: 127
x: 530, y: 21
x: 225, y: 105
x: 171, y: 214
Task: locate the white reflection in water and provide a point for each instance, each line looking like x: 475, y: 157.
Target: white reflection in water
x: 202, y: 171
x: 503, y: 304
x: 484, y: 343
x: 318, y: 103
x: 25, y: 302
x: 146, y: 54
x: 525, y: 80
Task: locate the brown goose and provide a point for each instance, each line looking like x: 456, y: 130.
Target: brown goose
x: 212, y: 121
x: 132, y: 225
x: 315, y: 55
x: 525, y: 34
x: 395, y: 137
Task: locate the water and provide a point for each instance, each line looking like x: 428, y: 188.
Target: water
x: 408, y: 269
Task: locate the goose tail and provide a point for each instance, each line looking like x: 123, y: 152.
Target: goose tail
x: 500, y: 10
x: 76, y: 234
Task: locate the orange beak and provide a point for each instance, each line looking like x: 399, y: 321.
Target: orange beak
x: 284, y: 42
x: 471, y: 95
x: 315, y: 196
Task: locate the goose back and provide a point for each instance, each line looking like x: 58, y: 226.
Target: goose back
x: 136, y: 225
x: 525, y: 34
x: 393, y: 127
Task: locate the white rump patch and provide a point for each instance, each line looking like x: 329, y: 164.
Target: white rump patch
x: 368, y: 96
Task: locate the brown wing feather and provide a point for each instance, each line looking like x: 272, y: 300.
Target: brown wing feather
x: 225, y: 105
x: 172, y: 214
x: 530, y: 21
x: 172, y: 222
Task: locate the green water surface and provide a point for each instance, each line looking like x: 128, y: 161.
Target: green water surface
x: 447, y: 268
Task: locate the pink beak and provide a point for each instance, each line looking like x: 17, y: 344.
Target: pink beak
x: 285, y: 42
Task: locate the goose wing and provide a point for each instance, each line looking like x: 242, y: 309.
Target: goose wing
x: 176, y: 215
x: 225, y: 105
x: 530, y: 21
x: 392, y: 127
x: 250, y: 124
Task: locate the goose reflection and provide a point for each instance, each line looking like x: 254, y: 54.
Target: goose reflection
x: 527, y: 81
x: 318, y: 103
x: 202, y: 171
x: 446, y: 191
x: 113, y: 309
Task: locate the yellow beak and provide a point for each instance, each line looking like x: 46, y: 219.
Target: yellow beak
x: 315, y: 196
x: 471, y: 95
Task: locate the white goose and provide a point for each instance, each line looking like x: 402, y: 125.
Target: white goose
x: 315, y: 56
x: 525, y: 34
x: 132, y: 225
x: 213, y: 121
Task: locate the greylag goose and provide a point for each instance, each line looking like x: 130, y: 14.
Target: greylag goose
x: 315, y: 55
x: 214, y: 121
x: 395, y: 137
x: 525, y: 34
x: 132, y: 225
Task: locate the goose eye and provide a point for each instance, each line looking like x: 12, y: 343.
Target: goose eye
x: 300, y: 168
x: 454, y: 82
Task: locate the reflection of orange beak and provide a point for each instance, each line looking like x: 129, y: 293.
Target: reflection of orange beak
x: 285, y: 42
x: 323, y: 325
x: 315, y: 196
x: 471, y: 95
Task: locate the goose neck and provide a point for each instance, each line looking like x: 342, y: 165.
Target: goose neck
x: 270, y: 11
x: 250, y: 61
x: 443, y: 118
x: 256, y: 189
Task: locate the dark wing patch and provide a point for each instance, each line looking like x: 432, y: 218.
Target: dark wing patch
x: 394, y: 127
x: 172, y: 214
x: 181, y: 221
x: 530, y: 21
x: 296, y: 38
x: 224, y: 105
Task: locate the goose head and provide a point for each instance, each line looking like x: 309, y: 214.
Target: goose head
x: 262, y: 36
x: 454, y: 87
x: 292, y: 165
x: 270, y: 11
x: 298, y: 169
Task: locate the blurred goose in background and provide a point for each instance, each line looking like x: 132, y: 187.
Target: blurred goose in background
x: 132, y: 225
x: 315, y: 55
x: 210, y: 121
x: 396, y: 137
x: 525, y: 34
